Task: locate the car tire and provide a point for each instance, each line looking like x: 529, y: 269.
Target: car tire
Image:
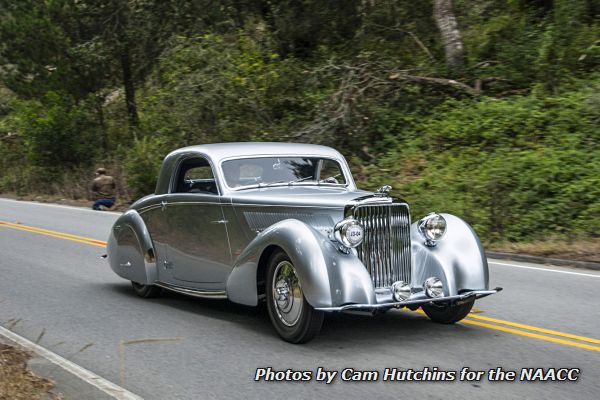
x: 294, y: 319
x: 146, y: 291
x: 448, y: 314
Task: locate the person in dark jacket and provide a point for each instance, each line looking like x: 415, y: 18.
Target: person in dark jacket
x: 104, y: 190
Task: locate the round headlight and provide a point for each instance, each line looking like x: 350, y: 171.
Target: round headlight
x: 349, y: 232
x: 432, y: 227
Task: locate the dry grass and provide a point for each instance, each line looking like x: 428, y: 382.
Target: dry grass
x: 580, y: 250
x: 16, y: 381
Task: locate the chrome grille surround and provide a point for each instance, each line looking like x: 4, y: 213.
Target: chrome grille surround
x: 385, y: 250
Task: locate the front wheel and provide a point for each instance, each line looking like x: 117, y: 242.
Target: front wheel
x: 295, y: 320
x: 448, y: 314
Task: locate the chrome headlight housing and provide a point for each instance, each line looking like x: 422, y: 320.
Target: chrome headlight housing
x: 432, y: 227
x: 349, y: 232
x: 433, y: 287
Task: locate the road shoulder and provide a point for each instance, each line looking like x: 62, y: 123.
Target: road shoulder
x: 70, y: 380
x: 543, y: 260
x: 35, y: 377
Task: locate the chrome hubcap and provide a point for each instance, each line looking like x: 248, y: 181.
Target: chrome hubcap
x: 287, y: 294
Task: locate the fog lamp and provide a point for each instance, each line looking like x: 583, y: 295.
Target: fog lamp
x: 433, y: 287
x: 400, y: 290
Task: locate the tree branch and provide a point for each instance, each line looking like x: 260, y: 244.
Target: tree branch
x: 437, y: 81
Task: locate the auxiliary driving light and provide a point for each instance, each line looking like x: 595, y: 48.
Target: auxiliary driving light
x: 433, y: 287
x: 432, y: 227
x: 400, y: 291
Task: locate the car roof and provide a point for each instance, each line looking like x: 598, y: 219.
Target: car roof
x: 217, y: 152
x: 220, y: 151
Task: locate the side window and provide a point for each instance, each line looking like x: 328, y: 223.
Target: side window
x: 331, y: 172
x: 195, y: 176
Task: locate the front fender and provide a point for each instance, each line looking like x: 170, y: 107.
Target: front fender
x: 457, y: 259
x: 328, y: 277
x: 130, y: 249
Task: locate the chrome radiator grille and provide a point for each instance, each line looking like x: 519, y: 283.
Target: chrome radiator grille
x: 385, y: 250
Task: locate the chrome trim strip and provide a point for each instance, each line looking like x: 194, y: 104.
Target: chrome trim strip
x: 205, y: 294
x: 187, y: 203
x: 283, y: 205
x: 148, y: 208
x: 165, y: 203
x: 374, y: 307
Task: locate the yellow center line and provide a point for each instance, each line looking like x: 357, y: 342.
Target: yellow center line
x: 10, y: 224
x: 529, y: 334
x: 536, y: 329
x: 59, y: 235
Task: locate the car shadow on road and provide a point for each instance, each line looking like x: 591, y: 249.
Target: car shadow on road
x: 208, y: 308
x: 356, y: 329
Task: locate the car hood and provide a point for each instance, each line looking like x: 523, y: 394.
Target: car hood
x: 305, y: 196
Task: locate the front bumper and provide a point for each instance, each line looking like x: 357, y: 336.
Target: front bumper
x: 413, y: 300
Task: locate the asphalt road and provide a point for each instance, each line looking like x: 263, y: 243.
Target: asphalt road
x: 56, y: 290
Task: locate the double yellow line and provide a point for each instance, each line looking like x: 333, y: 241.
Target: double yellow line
x: 530, y: 331
x: 534, y: 332
x: 59, y: 235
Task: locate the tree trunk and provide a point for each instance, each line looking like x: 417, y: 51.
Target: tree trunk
x: 121, y: 24
x: 445, y: 20
x: 101, y: 122
x: 129, y: 88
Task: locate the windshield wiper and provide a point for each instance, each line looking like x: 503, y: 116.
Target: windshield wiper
x: 331, y: 180
x: 300, y: 180
x: 289, y: 183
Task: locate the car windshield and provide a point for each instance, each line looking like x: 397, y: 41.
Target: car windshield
x: 271, y: 171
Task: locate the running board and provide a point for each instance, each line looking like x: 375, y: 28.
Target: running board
x: 205, y: 294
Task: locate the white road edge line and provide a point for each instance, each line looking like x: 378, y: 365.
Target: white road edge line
x: 104, y: 385
x: 544, y: 269
x: 61, y: 206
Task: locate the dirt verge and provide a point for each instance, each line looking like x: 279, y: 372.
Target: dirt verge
x: 17, y: 381
x: 580, y: 250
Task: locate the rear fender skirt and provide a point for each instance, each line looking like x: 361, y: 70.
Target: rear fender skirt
x: 130, y: 250
x: 328, y: 277
x: 457, y: 259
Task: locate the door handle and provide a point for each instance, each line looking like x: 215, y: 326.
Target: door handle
x: 163, y: 205
x: 221, y: 221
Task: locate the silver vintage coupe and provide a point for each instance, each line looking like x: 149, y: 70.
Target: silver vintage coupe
x: 285, y: 223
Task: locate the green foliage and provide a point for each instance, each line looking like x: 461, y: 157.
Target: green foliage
x: 223, y: 89
x: 517, y: 169
x: 57, y: 132
x: 142, y: 165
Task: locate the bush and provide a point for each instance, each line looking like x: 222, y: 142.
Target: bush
x: 59, y: 132
x: 142, y: 165
x: 517, y: 169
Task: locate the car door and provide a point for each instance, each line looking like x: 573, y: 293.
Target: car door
x: 198, y: 253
